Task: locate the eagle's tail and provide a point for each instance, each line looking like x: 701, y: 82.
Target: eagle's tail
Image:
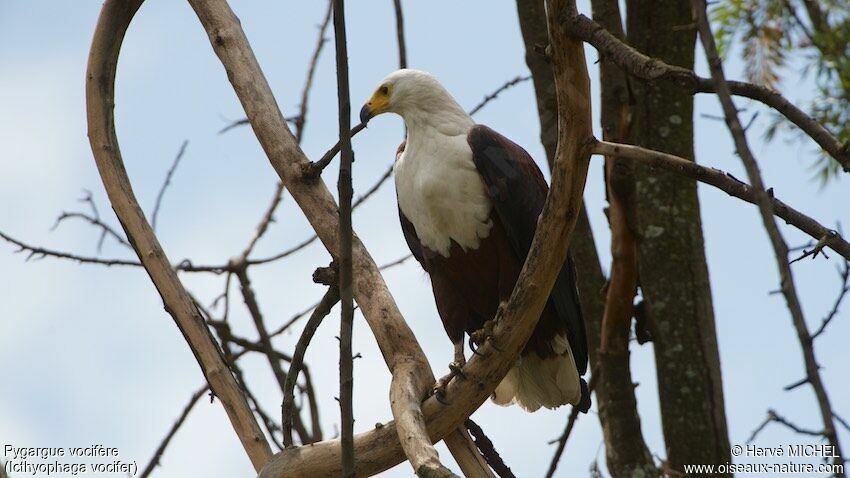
x: 536, y: 382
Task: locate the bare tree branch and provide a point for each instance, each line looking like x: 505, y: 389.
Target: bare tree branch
x: 399, y: 30
x: 726, y: 183
x: 321, y: 311
x: 157, y: 455
x: 571, y: 421
x: 773, y: 417
x: 345, y: 268
x: 495, y: 94
x: 167, y: 182
x: 642, y: 66
x: 485, y: 446
x: 35, y: 252
x: 765, y: 204
x: 844, y: 275
x: 105, y: 229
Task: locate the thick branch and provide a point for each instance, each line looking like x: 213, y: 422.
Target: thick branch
x: 112, y: 24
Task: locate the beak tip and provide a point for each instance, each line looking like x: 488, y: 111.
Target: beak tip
x: 365, y: 114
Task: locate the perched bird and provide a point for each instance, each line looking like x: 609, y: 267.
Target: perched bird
x: 469, y: 200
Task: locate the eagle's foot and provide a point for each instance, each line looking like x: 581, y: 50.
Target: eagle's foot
x: 484, y: 334
x: 457, y: 369
x: 439, y: 390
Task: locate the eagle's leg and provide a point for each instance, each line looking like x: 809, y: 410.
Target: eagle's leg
x: 455, y: 370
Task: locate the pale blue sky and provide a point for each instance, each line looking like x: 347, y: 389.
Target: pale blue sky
x: 89, y: 355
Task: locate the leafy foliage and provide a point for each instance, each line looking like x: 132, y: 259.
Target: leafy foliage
x: 816, y: 34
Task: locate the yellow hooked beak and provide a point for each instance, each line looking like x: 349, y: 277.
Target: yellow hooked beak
x: 377, y: 104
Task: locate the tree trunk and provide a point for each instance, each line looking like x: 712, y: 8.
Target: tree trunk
x: 672, y: 267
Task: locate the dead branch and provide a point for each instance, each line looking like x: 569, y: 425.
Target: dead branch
x: 265, y: 340
x: 488, y: 451
x: 301, y: 119
x: 314, y: 169
x: 726, y: 183
x: 765, y: 204
x: 157, y: 455
x: 399, y: 30
x: 112, y: 24
x: 321, y: 311
x: 818, y: 249
x: 93, y: 220
x: 773, y: 417
x: 844, y: 275
x: 167, y: 182
x: 495, y: 94
x: 571, y: 421
x: 35, y: 252
x: 642, y: 66
x: 345, y: 269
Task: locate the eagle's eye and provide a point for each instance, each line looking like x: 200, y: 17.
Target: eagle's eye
x: 384, y: 90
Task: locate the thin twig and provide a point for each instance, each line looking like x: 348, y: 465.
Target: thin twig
x: 571, y: 421
x: 495, y: 94
x: 818, y: 249
x: 399, y: 261
x: 245, y: 122
x: 35, y: 252
x: 773, y: 417
x: 167, y: 182
x: 301, y: 119
x: 844, y: 275
x: 300, y: 122
x: 157, y: 455
x: 306, y: 242
x: 314, y: 169
x: 321, y: 311
x: 105, y: 229
x: 399, y: 30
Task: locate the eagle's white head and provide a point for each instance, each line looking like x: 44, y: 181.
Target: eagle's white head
x: 418, y: 98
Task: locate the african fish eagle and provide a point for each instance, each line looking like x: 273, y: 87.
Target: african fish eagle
x: 468, y: 200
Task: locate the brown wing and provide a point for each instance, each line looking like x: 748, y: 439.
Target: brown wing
x: 518, y: 191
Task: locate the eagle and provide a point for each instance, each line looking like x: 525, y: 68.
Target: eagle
x: 468, y: 202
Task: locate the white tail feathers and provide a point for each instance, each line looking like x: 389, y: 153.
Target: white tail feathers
x: 535, y: 382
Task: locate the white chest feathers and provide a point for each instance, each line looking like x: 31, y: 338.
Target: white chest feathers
x: 441, y: 193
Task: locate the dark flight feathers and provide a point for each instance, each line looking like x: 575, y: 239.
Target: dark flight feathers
x: 518, y: 191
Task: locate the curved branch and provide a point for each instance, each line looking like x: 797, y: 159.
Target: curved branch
x: 112, y: 24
